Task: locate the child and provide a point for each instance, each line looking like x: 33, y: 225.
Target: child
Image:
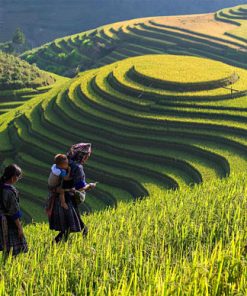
x: 59, y: 171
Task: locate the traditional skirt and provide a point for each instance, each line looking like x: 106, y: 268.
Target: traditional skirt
x: 66, y: 220
x: 9, y: 240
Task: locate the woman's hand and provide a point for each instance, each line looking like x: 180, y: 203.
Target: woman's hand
x: 89, y: 186
x: 92, y: 185
x: 64, y: 205
x: 20, y: 233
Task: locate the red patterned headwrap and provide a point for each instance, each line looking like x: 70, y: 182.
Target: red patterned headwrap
x: 78, y: 151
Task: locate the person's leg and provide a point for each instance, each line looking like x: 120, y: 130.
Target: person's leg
x: 84, y: 229
x: 63, y: 235
x: 59, y: 237
x: 66, y: 235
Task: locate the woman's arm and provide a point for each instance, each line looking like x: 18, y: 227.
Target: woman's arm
x: 80, y: 180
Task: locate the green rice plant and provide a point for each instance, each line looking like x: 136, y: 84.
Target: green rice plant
x: 173, y: 243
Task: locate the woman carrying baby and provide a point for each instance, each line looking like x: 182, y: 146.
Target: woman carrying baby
x: 66, y: 219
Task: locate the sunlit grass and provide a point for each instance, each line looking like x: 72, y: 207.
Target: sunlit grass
x: 173, y: 243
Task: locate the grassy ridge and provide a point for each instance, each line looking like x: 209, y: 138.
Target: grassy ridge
x: 188, y: 242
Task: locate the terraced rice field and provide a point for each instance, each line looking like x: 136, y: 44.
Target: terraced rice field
x: 235, y: 15
x: 156, y: 122
x: 157, y: 35
x: 12, y: 99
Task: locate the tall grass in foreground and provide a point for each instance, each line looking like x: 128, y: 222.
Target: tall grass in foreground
x: 174, y: 243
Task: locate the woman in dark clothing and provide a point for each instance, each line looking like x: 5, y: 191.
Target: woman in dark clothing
x: 69, y: 220
x: 12, y: 238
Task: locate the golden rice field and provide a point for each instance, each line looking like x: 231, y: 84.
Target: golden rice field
x: 182, y: 69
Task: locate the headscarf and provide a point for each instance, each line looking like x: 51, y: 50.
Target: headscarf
x: 78, y: 151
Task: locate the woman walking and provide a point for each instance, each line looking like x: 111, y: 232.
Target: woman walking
x: 69, y: 220
x: 12, y: 238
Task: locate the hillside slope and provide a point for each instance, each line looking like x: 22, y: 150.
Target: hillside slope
x: 16, y: 73
x: 188, y: 242
x: 20, y: 81
x: 198, y: 35
x: 156, y: 121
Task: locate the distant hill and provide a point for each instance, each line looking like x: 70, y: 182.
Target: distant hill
x: 45, y: 20
x: 200, y: 34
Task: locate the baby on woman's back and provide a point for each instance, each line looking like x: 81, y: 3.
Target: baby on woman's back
x: 60, y: 171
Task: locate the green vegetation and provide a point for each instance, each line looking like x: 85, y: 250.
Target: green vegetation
x: 19, y: 82
x: 17, y: 45
x: 160, y: 125
x: 178, y: 137
x: 108, y: 44
x: 70, y: 55
x: 190, y: 111
x: 187, y: 74
x: 19, y: 37
x: 7, y: 47
x: 16, y: 74
x: 188, y: 242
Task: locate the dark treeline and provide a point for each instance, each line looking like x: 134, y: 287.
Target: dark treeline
x: 44, y: 20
